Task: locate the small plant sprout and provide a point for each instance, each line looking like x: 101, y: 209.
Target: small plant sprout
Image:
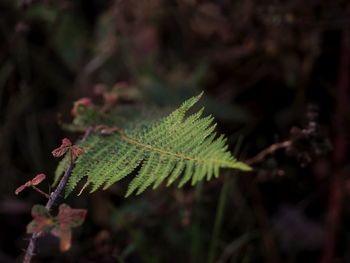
x: 60, y: 226
x: 67, y: 146
x: 33, y: 183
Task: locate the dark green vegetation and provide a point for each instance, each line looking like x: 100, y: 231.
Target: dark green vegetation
x: 271, y: 71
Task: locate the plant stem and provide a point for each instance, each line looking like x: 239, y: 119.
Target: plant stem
x: 336, y: 198
x: 268, y: 151
x: 41, y: 192
x: 50, y: 203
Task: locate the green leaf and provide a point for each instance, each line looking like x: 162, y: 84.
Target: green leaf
x: 61, y: 168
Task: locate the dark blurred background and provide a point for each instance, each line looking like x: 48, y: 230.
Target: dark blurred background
x: 271, y: 71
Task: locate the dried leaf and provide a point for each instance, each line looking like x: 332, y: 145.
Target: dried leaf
x: 66, y: 219
x: 70, y: 217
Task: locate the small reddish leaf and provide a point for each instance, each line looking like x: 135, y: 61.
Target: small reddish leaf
x: 64, y: 233
x: 60, y: 226
x: 20, y: 189
x: 60, y: 151
x: 67, y: 146
x: 77, y: 151
x: 66, y: 219
x: 86, y: 102
x: 38, y: 179
x: 42, y: 220
x: 71, y: 217
x: 66, y: 142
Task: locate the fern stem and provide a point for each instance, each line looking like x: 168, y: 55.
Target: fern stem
x: 161, y: 151
x: 50, y: 203
x: 40, y: 191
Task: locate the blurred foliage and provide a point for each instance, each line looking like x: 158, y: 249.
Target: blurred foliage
x: 261, y: 64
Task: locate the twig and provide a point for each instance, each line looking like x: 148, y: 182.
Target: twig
x: 339, y: 156
x: 50, y: 203
x: 269, y: 246
x: 41, y: 192
x: 268, y: 151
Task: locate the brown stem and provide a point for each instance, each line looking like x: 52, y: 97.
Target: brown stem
x: 339, y: 155
x: 40, y: 191
x: 50, y: 203
x: 268, y: 151
x: 269, y: 246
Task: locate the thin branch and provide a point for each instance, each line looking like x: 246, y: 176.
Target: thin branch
x: 268, y: 151
x: 41, y: 192
x: 268, y: 242
x: 51, y: 202
x: 336, y: 198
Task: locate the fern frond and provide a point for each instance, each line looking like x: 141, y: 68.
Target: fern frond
x: 173, y: 148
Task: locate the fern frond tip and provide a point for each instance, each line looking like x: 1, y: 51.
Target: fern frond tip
x: 242, y: 166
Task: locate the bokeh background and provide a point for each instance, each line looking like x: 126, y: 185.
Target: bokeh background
x: 271, y: 71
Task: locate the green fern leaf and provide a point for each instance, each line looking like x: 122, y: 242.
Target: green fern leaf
x: 61, y: 168
x: 174, y: 147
